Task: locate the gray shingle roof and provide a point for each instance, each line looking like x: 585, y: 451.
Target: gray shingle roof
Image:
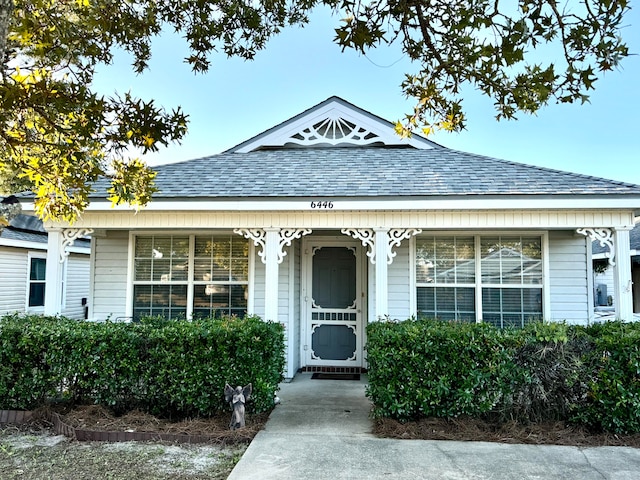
x: 368, y: 172
x: 27, y: 228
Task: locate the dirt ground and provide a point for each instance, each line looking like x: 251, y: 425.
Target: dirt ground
x: 33, y: 451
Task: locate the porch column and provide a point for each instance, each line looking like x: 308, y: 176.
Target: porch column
x: 622, y: 284
x: 381, y: 269
x: 53, y: 276
x: 271, y: 249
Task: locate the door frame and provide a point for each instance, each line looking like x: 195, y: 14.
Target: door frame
x: 306, y: 278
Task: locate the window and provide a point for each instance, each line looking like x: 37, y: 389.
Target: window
x: 37, y: 277
x: 190, y: 276
x: 495, y: 278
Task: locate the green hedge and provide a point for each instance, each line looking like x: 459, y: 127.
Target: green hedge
x: 170, y: 368
x: 544, y: 372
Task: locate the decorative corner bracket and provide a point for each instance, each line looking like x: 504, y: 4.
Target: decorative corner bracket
x: 602, y: 235
x: 367, y: 237
x: 259, y: 235
x: 396, y: 236
x: 70, y: 235
x: 288, y: 235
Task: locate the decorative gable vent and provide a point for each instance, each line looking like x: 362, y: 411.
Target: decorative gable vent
x: 332, y: 123
x: 334, y: 131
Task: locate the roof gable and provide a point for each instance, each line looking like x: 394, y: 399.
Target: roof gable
x: 332, y: 123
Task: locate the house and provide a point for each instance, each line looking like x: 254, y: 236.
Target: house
x: 23, y: 267
x: 603, y: 276
x: 329, y: 220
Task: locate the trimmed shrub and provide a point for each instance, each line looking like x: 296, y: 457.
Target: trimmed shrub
x: 27, y: 378
x: 422, y: 368
x: 166, y: 367
x: 613, y: 398
x: 544, y: 372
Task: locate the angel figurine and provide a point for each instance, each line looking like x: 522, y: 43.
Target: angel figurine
x: 237, y: 398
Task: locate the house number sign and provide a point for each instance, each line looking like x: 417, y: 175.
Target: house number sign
x: 321, y: 204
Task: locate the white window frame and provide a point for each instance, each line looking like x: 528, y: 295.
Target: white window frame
x: 30, y: 257
x: 190, y: 282
x: 478, y: 285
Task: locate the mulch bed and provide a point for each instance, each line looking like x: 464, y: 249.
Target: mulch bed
x: 215, y: 430
x: 473, y: 430
x: 94, y: 422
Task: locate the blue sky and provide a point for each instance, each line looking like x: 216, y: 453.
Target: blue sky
x: 301, y: 67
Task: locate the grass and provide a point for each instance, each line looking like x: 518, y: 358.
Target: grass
x: 44, y: 456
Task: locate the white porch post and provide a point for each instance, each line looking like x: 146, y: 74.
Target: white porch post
x: 271, y: 249
x: 623, y: 298
x: 53, y: 277
x: 381, y: 269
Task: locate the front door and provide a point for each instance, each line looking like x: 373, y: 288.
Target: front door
x: 334, y: 302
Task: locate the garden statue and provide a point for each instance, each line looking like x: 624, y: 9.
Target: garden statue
x: 237, y: 398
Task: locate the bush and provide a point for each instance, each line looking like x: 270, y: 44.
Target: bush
x: 166, y: 367
x: 422, y: 368
x: 613, y: 397
x: 544, y: 372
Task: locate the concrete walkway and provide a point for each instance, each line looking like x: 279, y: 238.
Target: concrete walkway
x: 321, y: 431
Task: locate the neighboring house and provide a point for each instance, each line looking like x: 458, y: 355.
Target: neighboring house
x: 329, y: 220
x: 23, y: 267
x: 603, y: 275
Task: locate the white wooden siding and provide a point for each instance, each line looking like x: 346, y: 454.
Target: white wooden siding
x: 14, y: 285
x: 568, y: 281
x: 399, y: 283
x: 283, y: 291
x: 110, y: 276
x: 77, y: 285
x: 14, y: 269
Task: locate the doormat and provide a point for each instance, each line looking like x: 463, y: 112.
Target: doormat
x: 335, y: 376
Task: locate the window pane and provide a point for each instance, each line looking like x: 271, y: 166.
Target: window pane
x: 161, y: 248
x: 142, y: 270
x: 161, y: 259
x: 214, y: 260
x: 511, y: 260
x: 532, y: 260
x: 218, y: 300
x: 36, y: 295
x: 162, y: 270
x: 445, y: 260
x: 165, y: 300
x: 425, y: 256
x: 240, y: 270
x: 511, y: 306
x: 239, y: 248
x: 446, y: 303
x: 144, y: 247
x: 532, y: 301
x: 38, y: 269
x: 490, y: 262
x: 465, y: 260
x: 426, y: 301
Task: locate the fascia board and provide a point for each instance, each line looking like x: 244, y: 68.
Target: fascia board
x: 378, y: 204
x: 7, y: 242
